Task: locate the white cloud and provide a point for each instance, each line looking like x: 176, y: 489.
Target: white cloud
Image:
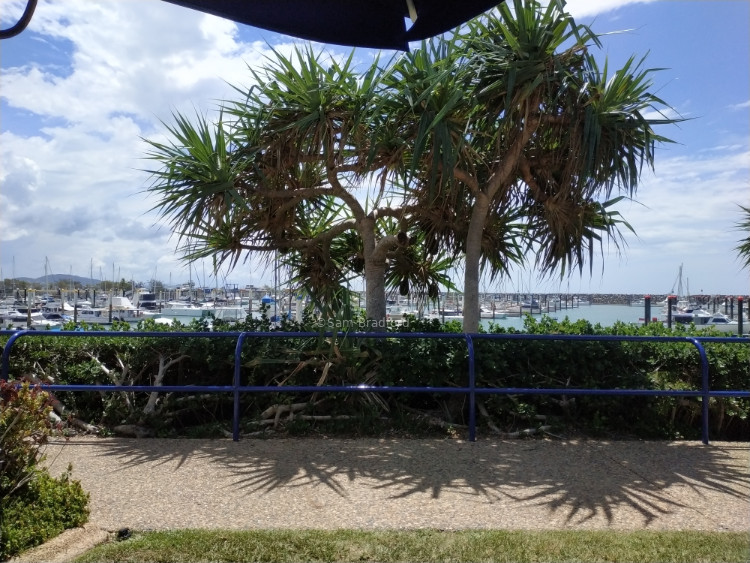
x: 137, y: 58
x: 132, y: 64
x: 687, y: 213
x: 72, y: 189
x: 588, y: 8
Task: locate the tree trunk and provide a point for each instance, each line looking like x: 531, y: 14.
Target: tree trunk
x: 471, y: 267
x: 375, y: 295
x: 375, y: 306
x: 164, y: 364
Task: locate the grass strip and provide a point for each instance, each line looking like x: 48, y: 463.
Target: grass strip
x: 425, y: 545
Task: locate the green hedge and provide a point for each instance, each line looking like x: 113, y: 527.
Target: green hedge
x: 323, y: 360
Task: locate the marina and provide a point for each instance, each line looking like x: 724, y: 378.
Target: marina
x: 52, y: 309
x: 604, y: 315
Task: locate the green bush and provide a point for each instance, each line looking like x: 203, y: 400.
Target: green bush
x: 24, y: 428
x: 33, y: 506
x: 43, y: 509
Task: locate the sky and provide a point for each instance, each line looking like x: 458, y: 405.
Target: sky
x: 89, y: 80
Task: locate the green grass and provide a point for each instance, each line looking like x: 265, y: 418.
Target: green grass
x: 425, y: 545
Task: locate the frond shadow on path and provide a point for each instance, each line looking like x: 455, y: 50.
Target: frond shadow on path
x: 564, y: 483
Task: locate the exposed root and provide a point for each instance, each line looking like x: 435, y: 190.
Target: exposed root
x: 278, y: 410
x: 526, y: 432
x: 272, y: 415
x: 483, y: 411
x: 545, y: 428
x: 432, y: 420
x: 59, y: 415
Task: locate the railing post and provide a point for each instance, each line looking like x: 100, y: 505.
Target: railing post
x: 740, y: 302
x: 705, y: 390
x: 647, y: 309
x: 6, y: 353
x: 472, y: 391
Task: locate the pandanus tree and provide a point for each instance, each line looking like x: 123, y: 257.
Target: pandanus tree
x: 743, y: 248
x: 329, y: 270
x: 504, y: 140
x: 301, y: 165
x: 520, y: 141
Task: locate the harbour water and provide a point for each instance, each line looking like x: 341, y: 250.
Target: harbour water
x: 605, y: 315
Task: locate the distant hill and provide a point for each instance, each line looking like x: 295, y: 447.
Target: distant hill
x: 60, y: 279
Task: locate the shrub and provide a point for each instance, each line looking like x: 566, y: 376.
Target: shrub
x: 24, y: 428
x: 33, y: 505
x: 44, y: 508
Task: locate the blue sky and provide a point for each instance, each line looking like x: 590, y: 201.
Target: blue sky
x: 89, y: 79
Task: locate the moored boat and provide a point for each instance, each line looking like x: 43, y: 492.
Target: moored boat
x: 229, y: 314
x: 696, y: 316
x: 33, y: 320
x: 124, y: 310
x: 722, y: 323
x: 93, y: 315
x: 491, y: 312
x: 175, y: 309
x: 146, y: 300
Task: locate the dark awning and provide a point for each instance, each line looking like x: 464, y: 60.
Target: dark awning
x: 379, y: 24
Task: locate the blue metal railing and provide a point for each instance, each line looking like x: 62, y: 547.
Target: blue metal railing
x: 237, y: 389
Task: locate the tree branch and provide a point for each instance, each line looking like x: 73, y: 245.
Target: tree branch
x: 159, y: 379
x: 383, y: 246
x: 504, y: 169
x: 530, y: 181
x: 113, y: 377
x: 338, y: 190
x: 298, y: 244
x: 466, y: 179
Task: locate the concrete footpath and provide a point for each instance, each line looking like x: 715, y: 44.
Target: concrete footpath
x: 154, y: 484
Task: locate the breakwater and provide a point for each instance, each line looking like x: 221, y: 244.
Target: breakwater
x: 635, y: 298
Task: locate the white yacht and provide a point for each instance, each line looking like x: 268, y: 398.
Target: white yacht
x: 124, y: 310
x: 696, y: 316
x: 491, y: 312
x: 33, y: 320
x: 93, y: 315
x: 722, y: 323
x: 229, y: 314
x: 183, y: 309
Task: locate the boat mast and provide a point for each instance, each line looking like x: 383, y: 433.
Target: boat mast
x: 678, y: 282
x: 216, y: 280
x: 276, y: 285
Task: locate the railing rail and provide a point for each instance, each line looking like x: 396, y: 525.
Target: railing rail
x: 471, y: 390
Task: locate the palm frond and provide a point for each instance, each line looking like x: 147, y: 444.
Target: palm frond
x: 743, y: 248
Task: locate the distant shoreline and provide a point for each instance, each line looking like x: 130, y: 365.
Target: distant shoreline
x: 627, y: 299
